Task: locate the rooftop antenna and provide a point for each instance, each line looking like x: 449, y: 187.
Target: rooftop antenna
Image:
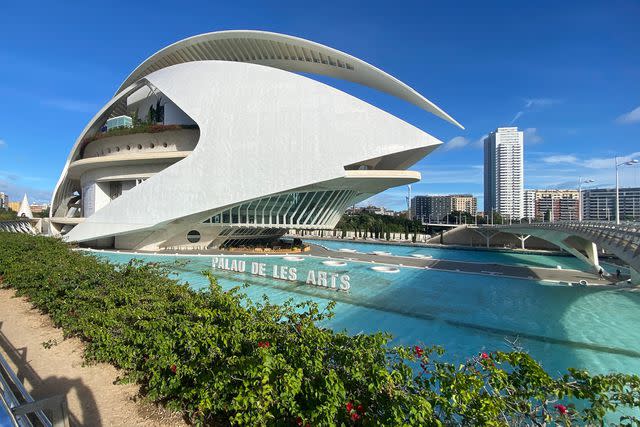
x: 409, y: 201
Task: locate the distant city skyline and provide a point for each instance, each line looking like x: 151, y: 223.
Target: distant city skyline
x: 577, y: 114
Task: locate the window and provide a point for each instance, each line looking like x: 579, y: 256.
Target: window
x: 152, y: 145
x: 164, y: 145
x: 193, y: 236
x: 139, y: 146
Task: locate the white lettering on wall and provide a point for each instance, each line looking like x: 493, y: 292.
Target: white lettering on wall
x: 283, y: 272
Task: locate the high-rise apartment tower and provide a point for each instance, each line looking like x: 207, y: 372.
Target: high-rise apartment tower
x: 503, y: 173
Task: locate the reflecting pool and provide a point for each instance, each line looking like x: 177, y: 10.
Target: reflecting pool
x: 561, y: 326
x: 467, y: 255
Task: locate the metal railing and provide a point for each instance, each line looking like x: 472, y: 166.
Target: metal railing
x: 17, y: 226
x: 23, y: 410
x: 623, y: 240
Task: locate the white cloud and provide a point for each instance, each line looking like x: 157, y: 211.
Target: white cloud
x: 531, y: 136
x: 609, y: 162
x: 540, y: 102
x: 17, y: 190
x: 453, y: 174
x: 534, y: 104
x: 592, y: 163
x: 561, y: 158
x: 516, y: 117
x: 454, y: 143
x: 479, y: 143
x: 3, y: 143
x: 632, y: 116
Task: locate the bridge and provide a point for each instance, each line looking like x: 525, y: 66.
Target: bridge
x: 582, y: 239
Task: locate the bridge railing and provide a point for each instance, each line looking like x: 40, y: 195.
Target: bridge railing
x: 625, y: 234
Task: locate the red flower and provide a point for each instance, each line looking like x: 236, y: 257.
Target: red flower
x: 264, y: 344
x: 349, y: 407
x: 299, y: 421
x: 418, y: 351
x: 561, y: 409
x: 355, y: 416
x: 173, y: 368
x: 360, y: 408
x: 484, y: 355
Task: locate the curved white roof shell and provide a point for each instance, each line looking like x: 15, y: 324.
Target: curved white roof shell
x: 284, y: 52
x: 263, y: 131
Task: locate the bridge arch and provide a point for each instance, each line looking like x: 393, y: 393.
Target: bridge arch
x: 583, y: 238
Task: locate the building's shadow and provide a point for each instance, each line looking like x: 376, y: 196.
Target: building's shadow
x: 53, y: 385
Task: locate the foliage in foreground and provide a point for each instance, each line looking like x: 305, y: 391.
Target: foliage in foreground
x: 221, y: 359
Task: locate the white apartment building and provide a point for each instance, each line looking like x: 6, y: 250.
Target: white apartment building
x: 529, y: 204
x: 4, y: 201
x: 503, y: 172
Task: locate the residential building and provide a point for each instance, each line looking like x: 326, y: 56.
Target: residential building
x: 600, y: 204
x: 14, y: 206
x: 4, y: 201
x: 556, y: 205
x: 38, y: 208
x: 419, y: 208
x: 434, y: 209
x: 529, y: 210
x: 504, y: 172
x: 248, y: 147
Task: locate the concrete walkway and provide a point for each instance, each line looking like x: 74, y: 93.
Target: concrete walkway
x: 531, y: 273
x: 93, y: 396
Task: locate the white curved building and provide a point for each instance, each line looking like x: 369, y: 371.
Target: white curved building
x: 230, y: 146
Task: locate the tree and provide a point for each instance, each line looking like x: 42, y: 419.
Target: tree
x: 7, y: 215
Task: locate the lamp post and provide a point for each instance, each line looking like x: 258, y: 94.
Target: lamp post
x: 580, y: 182
x: 627, y: 163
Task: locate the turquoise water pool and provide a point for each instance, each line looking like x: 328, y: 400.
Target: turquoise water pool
x: 596, y: 329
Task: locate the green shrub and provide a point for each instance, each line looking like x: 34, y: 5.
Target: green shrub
x: 222, y: 359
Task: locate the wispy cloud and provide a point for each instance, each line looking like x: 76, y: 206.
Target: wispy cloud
x: 540, y: 102
x: 516, y: 117
x: 452, y: 175
x: 479, y: 143
x: 70, y: 105
x: 16, y: 191
x: 590, y: 163
x: 3, y: 143
x: 561, y: 158
x: 531, y: 136
x: 632, y: 116
x: 531, y: 104
x: 455, y: 143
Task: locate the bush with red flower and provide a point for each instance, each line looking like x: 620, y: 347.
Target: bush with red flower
x: 219, y: 357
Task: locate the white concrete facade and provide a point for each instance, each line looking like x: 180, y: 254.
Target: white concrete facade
x: 275, y: 150
x: 504, y: 172
x: 529, y: 201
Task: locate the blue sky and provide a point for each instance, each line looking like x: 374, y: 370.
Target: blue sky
x: 568, y: 73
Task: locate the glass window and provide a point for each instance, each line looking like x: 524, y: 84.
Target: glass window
x: 193, y: 236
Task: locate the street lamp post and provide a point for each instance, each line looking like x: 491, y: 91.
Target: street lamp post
x: 580, y: 182
x: 627, y: 163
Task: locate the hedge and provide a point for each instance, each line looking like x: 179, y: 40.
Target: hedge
x: 223, y: 359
